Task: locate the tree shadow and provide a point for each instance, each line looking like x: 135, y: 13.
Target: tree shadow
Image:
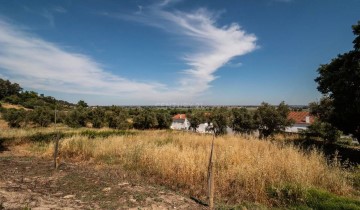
x: 3, y: 146
x: 346, y: 155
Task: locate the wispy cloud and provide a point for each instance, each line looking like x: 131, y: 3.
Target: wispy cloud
x: 39, y: 64
x: 49, y: 16
x: 42, y: 65
x: 214, y: 45
x: 48, y: 13
x: 60, y: 9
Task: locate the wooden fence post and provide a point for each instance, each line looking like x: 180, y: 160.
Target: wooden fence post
x: 211, y: 176
x: 56, y: 149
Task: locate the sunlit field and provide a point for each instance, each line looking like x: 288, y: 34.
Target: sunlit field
x: 245, y: 169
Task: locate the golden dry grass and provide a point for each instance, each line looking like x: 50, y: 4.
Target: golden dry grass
x: 244, y: 169
x: 13, y: 106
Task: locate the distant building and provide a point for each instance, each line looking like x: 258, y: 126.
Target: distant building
x: 203, y: 128
x: 302, y: 120
x: 180, y: 122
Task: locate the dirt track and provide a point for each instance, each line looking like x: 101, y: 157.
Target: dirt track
x: 29, y: 182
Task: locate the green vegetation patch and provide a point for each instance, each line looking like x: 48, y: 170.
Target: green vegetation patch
x: 91, y: 134
x: 320, y: 199
x: 47, y: 137
x: 295, y: 197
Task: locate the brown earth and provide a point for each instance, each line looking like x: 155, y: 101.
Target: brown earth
x: 31, y: 183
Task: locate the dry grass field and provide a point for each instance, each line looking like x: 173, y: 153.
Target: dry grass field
x: 246, y: 170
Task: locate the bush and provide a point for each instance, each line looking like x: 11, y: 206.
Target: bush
x: 97, y: 117
x: 323, y: 130
x: 42, y: 116
x: 76, y: 118
x: 14, y: 117
x: 118, y: 120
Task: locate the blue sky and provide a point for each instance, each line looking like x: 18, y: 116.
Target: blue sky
x: 175, y: 52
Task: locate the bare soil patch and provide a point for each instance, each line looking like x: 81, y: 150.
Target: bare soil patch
x: 31, y: 182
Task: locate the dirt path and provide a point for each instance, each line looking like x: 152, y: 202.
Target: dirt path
x: 29, y: 182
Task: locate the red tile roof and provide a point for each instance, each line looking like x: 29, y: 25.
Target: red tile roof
x: 179, y: 116
x: 300, y: 117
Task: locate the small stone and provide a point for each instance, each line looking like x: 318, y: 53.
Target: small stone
x: 106, y: 189
x: 26, y: 180
x: 123, y: 184
x: 69, y: 196
x: 132, y: 200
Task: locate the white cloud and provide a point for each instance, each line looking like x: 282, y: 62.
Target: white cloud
x: 214, y: 46
x: 36, y: 63
x: 43, y: 65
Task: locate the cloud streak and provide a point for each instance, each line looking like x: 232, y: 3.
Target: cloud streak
x: 214, y: 46
x: 42, y: 65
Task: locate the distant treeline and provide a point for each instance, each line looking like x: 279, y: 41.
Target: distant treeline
x: 44, y: 110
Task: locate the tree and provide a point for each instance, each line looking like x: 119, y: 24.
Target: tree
x: 145, y: 120
x: 219, y: 119
x: 14, y: 117
x: 164, y: 120
x: 323, y: 109
x: 42, y: 116
x: 323, y: 130
x: 271, y: 120
x: 7, y: 88
x: 97, y: 117
x: 196, y: 119
x: 118, y: 119
x: 243, y: 121
x: 82, y: 103
x: 339, y: 81
x: 76, y: 118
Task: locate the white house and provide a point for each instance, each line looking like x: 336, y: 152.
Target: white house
x: 302, y: 121
x: 203, y: 128
x: 180, y: 122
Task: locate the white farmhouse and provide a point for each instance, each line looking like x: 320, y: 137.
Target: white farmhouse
x: 301, y: 121
x: 203, y: 128
x: 180, y: 122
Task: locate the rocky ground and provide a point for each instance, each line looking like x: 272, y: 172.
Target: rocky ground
x: 32, y: 183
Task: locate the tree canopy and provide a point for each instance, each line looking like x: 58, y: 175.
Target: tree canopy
x: 7, y: 88
x: 271, y: 119
x: 243, y: 121
x: 339, y: 81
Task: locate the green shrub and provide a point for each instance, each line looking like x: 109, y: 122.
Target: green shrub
x: 42, y: 116
x: 105, y: 134
x: 76, y: 118
x: 14, y: 117
x: 46, y: 137
x: 323, y: 130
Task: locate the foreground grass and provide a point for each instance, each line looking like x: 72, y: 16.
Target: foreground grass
x: 246, y: 171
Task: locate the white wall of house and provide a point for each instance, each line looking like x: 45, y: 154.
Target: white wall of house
x: 180, y: 124
x: 202, y: 128
x: 296, y: 128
